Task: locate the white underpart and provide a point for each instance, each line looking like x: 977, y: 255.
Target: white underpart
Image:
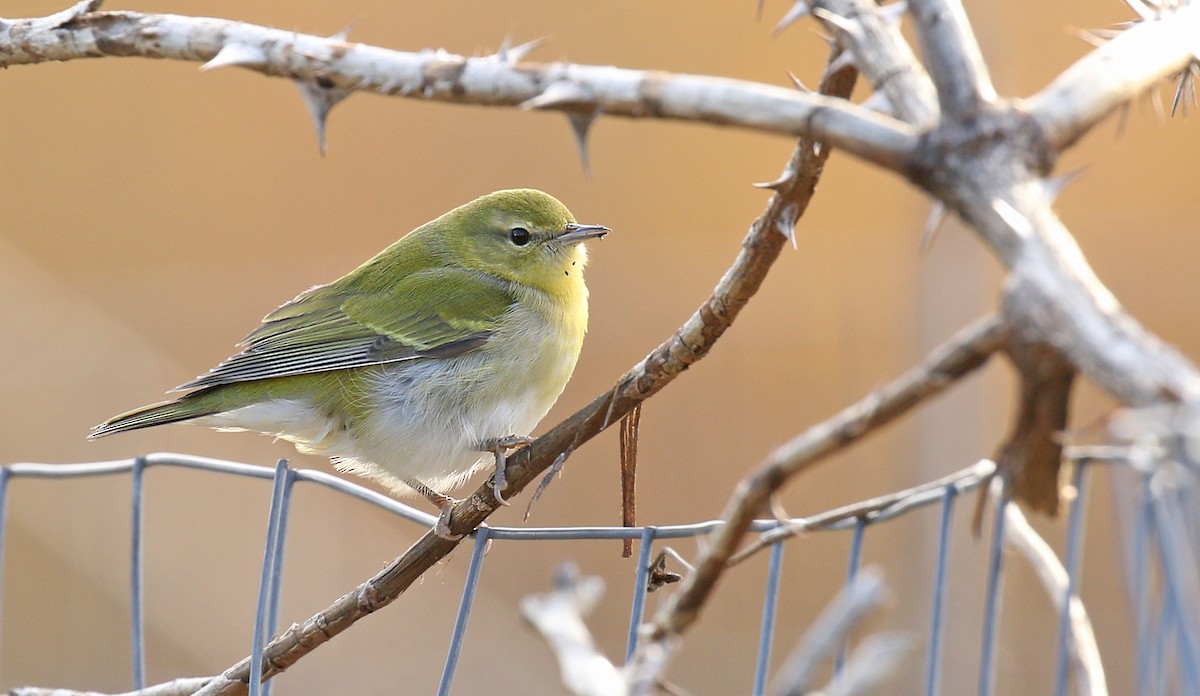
x: 429, y: 417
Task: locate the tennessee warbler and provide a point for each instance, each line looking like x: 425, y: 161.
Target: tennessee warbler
x: 449, y: 345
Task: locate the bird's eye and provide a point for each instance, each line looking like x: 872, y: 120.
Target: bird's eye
x: 519, y: 236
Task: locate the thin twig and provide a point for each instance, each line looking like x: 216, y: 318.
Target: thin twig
x: 963, y: 480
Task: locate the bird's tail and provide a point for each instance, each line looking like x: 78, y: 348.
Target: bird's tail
x: 194, y: 405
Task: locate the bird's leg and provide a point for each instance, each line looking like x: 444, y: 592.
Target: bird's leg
x: 443, y: 502
x: 499, y: 447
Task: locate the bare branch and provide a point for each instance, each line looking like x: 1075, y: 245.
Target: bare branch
x: 953, y: 57
x: 496, y: 80
x: 1136, y: 59
x: 559, y: 617
x: 893, y: 503
x: 964, y: 353
x: 882, y: 55
x: 1085, y: 654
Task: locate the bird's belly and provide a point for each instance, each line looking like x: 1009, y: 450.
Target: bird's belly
x: 422, y: 419
x: 431, y: 418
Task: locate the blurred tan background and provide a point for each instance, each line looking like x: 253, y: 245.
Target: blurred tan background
x: 152, y: 214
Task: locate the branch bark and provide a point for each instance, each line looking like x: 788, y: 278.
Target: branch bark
x: 497, y: 80
x: 1115, y: 73
x: 955, y: 62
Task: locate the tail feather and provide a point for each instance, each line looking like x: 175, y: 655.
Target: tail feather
x: 177, y: 411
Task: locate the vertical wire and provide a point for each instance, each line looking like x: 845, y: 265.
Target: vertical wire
x: 272, y: 622
x: 1074, y: 551
x: 136, y: 597
x: 5, y: 474
x: 464, y: 609
x: 934, y: 659
x: 766, y: 636
x: 1173, y: 552
x: 1141, y: 586
x: 270, y: 556
x: 860, y: 526
x: 639, y: 590
x: 991, y: 616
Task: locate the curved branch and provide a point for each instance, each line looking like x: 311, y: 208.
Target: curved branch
x: 496, y: 80
x: 1108, y: 77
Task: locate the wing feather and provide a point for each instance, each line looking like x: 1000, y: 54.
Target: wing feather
x: 426, y: 315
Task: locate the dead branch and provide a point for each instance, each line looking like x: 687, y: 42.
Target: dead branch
x: 964, y: 353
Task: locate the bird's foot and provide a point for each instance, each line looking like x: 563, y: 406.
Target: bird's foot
x: 442, y: 528
x: 443, y: 502
x: 499, y: 447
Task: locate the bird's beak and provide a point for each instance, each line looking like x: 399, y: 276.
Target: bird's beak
x: 575, y: 232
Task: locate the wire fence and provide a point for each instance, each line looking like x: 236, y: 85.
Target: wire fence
x: 1165, y: 523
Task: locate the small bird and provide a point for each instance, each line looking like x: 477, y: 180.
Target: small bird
x: 414, y: 369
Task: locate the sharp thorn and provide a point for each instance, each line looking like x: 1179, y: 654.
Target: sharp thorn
x: 344, y: 32
x: 937, y: 215
x: 558, y: 93
x: 798, y: 11
x: 839, y: 22
x: 1053, y: 186
x: 581, y: 123
x: 786, y: 223
x: 517, y: 53
x: 320, y: 101
x: 236, y: 54
x: 799, y: 85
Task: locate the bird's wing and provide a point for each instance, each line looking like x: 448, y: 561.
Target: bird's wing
x: 437, y: 314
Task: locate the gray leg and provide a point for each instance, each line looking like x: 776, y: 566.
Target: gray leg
x: 499, y: 447
x: 443, y: 502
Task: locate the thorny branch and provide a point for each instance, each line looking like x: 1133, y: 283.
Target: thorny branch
x: 984, y: 158
x: 339, y: 67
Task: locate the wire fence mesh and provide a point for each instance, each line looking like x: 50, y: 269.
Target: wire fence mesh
x: 1164, y: 595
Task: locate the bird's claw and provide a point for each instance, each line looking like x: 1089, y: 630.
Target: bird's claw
x: 499, y: 447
